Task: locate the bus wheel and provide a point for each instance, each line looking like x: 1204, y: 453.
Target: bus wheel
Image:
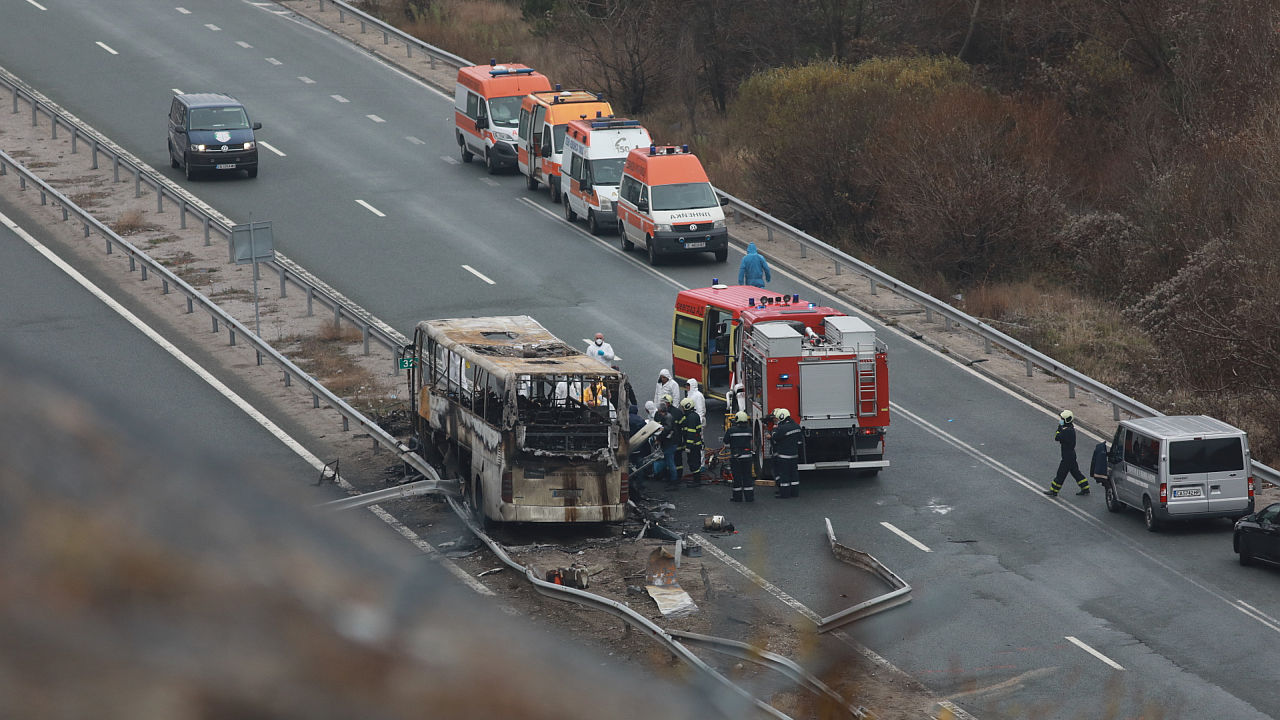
x: 477, y: 507
x: 466, y: 154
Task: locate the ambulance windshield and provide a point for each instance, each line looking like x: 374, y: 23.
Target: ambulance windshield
x: 684, y: 196
x: 505, y: 111
x: 607, y: 171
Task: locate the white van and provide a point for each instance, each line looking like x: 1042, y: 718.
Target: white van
x: 594, y: 151
x: 1179, y: 468
x: 667, y: 205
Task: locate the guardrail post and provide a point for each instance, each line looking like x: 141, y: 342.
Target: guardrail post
x: 206, y: 231
x: 1115, y: 412
x: 232, y: 332
x: 366, y: 339
x: 86, y: 234
x: 22, y: 182
x: 182, y: 218
x: 215, y: 322
x: 408, y: 48
x: 1030, y: 368
x: 34, y: 107
x: 94, y: 165
x: 342, y: 16
x: 399, y: 353
x: 386, y: 39
x: 1071, y: 389
x: 44, y: 197
x: 53, y: 126
x: 315, y: 400
x: 164, y: 283
x: 259, y: 354
x: 137, y: 182
x: 770, y: 230
x: 284, y: 284
x: 311, y: 293
x: 837, y: 262
x: 87, y: 230
x: 115, y: 168
x: 433, y: 62
x: 288, y: 379
x: 191, y: 305
x: 144, y: 272
x: 15, y: 99
x: 159, y: 199
x: 986, y: 345
x: 948, y: 323
x: 873, y: 286
x: 75, y: 135
x: 361, y: 26
x: 3, y: 169
x: 64, y: 208
x: 346, y: 424
x: 337, y: 316
x: 133, y: 263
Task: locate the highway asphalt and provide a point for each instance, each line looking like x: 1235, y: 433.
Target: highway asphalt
x: 1023, y: 606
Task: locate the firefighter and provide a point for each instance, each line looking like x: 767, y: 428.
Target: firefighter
x: 1066, y: 439
x: 787, y: 438
x: 670, y: 442
x: 691, y: 429
x: 677, y: 419
x: 738, y: 439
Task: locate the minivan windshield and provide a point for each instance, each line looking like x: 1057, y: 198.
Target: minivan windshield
x: 219, y: 118
x: 684, y: 196
x: 1187, y: 457
x: 505, y: 111
x: 607, y: 171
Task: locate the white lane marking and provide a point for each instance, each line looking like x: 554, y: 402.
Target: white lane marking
x: 371, y: 208
x: 450, y: 159
x: 176, y: 91
x: 478, y: 274
x: 36, y: 5
x: 270, y: 147
x: 182, y: 10
x: 893, y: 529
x: 489, y: 181
x: 274, y: 61
x: 106, y: 47
x: 1258, y: 615
x: 306, y: 80
x: 212, y: 27
x: 415, y: 140
x: 375, y: 118
x: 1094, y: 653
x: 243, y: 44
x: 235, y: 399
x: 340, y: 99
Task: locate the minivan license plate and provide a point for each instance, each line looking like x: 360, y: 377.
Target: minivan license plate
x: 1186, y: 492
x: 225, y: 166
x: 692, y: 246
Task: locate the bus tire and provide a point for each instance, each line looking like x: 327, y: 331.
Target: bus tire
x: 482, y: 520
x: 467, y: 156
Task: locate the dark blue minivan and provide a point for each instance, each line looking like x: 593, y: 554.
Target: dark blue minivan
x: 211, y: 132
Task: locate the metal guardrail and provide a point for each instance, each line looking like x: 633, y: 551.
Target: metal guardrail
x: 388, y: 32
x: 900, y: 594
x: 169, y: 281
x: 806, y: 242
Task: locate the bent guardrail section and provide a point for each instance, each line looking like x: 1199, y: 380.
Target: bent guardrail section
x: 900, y: 594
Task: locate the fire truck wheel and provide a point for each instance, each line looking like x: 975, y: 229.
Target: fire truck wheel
x: 531, y: 182
x: 592, y: 225
x: 654, y: 257
x: 763, y: 467
x: 722, y: 255
x: 490, y: 166
x: 466, y: 154
x: 627, y: 245
x: 569, y: 214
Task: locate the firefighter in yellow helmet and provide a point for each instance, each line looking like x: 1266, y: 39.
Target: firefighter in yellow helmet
x: 787, y: 438
x: 738, y: 440
x: 691, y: 432
x: 1066, y: 439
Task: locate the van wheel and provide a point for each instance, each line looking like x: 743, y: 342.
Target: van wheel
x: 1149, y: 515
x: 553, y: 181
x: 173, y: 160
x: 490, y: 166
x: 253, y: 172
x: 1113, y: 502
x: 530, y: 181
x: 627, y: 245
x: 466, y: 154
x: 1246, y: 557
x: 569, y: 214
x: 722, y: 255
x: 592, y: 225
x: 653, y: 251
x: 186, y: 167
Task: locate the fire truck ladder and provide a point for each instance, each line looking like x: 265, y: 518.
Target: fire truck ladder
x: 867, y: 382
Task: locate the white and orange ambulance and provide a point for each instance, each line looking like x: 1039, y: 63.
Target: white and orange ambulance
x: 666, y: 204
x: 544, y: 116
x: 594, y: 151
x: 486, y: 110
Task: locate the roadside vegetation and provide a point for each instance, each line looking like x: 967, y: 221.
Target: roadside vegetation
x: 1099, y: 178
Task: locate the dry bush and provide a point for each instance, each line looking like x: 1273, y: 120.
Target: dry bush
x: 475, y: 29
x: 326, y: 356
x: 132, y: 222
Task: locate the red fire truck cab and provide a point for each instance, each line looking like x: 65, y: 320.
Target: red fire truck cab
x: 827, y: 368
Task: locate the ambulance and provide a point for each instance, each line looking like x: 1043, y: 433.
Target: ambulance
x: 486, y: 110
x: 666, y: 204
x: 544, y: 118
x: 594, y: 151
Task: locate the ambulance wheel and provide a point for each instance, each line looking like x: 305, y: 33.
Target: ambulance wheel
x: 569, y: 214
x: 553, y: 183
x: 654, y: 257
x: 722, y: 255
x: 530, y: 181
x: 627, y: 245
x: 490, y: 166
x: 466, y: 154
x: 592, y: 225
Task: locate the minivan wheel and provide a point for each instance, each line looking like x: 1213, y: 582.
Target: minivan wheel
x: 186, y: 167
x: 653, y: 251
x: 466, y: 154
x: 627, y: 245
x: 253, y: 172
x: 722, y: 255
x: 1149, y: 515
x: 592, y: 225
x: 490, y: 166
x: 569, y: 214
x: 1113, y: 502
x: 173, y: 160
x: 553, y: 183
x: 530, y: 181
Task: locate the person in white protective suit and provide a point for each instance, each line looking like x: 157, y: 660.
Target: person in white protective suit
x: 699, y: 402
x: 650, y: 409
x: 601, y: 350
x: 666, y: 386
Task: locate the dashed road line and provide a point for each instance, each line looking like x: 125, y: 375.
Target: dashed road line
x: 106, y: 47
x: 340, y: 99
x: 243, y: 44
x: 306, y: 80
x: 270, y: 147
x: 478, y: 274
x: 894, y: 529
x: 371, y: 208
x: 489, y: 181
x: 212, y: 27
x: 274, y: 61
x: 415, y: 140
x: 36, y: 5
x: 182, y: 10
x: 1094, y: 653
x: 451, y: 159
x: 375, y: 118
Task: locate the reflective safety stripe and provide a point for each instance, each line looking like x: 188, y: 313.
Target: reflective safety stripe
x: 788, y: 457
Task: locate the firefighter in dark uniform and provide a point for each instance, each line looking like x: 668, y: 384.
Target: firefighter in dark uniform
x: 691, y: 430
x: 677, y: 419
x: 1066, y: 438
x: 738, y: 440
x: 787, y: 437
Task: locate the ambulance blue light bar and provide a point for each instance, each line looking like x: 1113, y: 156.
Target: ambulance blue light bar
x: 510, y: 71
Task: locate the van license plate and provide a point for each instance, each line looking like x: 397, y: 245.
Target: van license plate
x: 693, y: 246
x: 225, y: 166
x: 1186, y: 492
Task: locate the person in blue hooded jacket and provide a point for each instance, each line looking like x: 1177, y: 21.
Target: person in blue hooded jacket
x: 754, y: 269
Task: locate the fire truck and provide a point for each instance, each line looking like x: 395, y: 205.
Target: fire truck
x: 827, y: 368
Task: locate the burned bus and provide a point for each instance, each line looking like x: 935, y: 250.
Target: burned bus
x: 531, y: 425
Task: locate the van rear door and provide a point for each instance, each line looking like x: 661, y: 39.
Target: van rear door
x: 1209, y: 474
